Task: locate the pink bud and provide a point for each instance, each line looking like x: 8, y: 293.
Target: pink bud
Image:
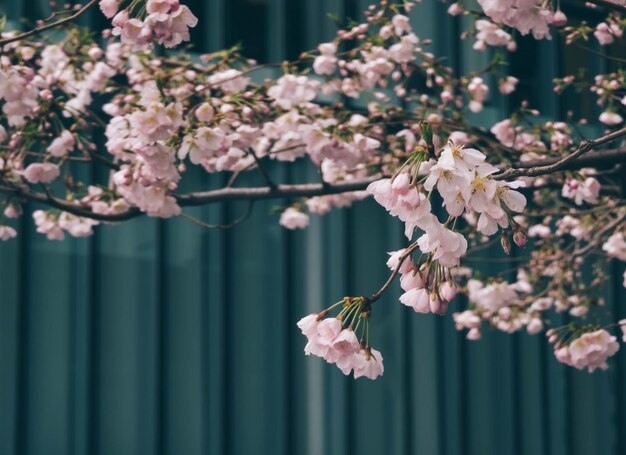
x: 520, y: 239
x: 506, y: 244
x: 559, y: 19
x: 448, y: 291
x: 46, y: 95
x: 455, y: 9
x: 437, y: 306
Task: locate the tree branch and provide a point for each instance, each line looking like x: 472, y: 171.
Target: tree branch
x: 280, y: 191
x: 531, y: 168
x: 535, y: 169
x: 43, y: 28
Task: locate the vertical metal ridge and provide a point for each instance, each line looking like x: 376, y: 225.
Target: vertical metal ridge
x: 94, y: 358
x: 161, y: 329
x: 463, y: 406
x: 21, y: 408
x: 618, y: 377
x: 204, y: 339
x: 227, y: 367
x: 516, y: 399
x: 567, y: 405
x: 350, y: 394
x: 546, y: 421
x: 440, y: 374
x: 288, y: 241
x: 408, y: 389
x: 71, y: 409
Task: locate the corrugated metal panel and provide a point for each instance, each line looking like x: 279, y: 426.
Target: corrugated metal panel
x: 157, y: 337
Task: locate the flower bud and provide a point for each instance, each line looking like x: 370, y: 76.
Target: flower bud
x: 520, y: 239
x: 559, y: 19
x: 534, y: 326
x: 447, y: 291
x: 437, y: 305
x: 506, y: 243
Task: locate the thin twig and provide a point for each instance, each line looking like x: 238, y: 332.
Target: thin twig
x: 407, y: 252
x: 562, y: 163
x: 43, y: 28
x: 232, y: 224
x: 262, y: 169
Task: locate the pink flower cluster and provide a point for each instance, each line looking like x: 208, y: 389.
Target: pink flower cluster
x: 150, y: 172
x: 490, y: 34
x: 590, y: 350
x: 515, y: 137
x: 587, y: 190
x: 329, y: 340
x: 167, y: 22
x: 425, y: 292
x: 527, y: 16
x: 54, y: 225
x: 606, y: 33
x: 464, y: 181
x: 615, y: 246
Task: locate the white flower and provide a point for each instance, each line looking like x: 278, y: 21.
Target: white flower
x: 292, y: 218
x: 62, y: 145
x: 615, y: 246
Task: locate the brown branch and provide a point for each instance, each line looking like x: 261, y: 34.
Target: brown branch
x: 407, y: 252
x: 232, y: 224
x: 262, y: 170
x: 607, y: 229
x: 67, y: 206
x: 280, y: 191
x: 614, y: 5
x: 43, y: 28
x: 303, y: 190
x: 200, y: 198
x: 534, y: 169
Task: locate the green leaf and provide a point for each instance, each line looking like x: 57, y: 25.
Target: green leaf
x: 3, y: 22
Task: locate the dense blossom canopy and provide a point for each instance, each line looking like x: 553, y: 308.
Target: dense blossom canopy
x: 122, y: 103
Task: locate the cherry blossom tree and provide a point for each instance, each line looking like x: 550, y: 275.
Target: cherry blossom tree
x: 133, y: 105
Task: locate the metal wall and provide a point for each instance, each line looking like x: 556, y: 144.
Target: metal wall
x: 159, y: 337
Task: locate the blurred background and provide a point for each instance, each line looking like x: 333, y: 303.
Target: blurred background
x: 160, y: 337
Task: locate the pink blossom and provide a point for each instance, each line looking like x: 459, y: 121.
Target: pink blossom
x: 590, y: 350
x: 109, y: 7
x: 615, y: 246
x: 291, y: 91
x: 535, y: 325
x: 455, y: 9
x: 586, y: 191
x: 368, y: 363
x: 62, y: 145
x: 418, y: 299
x: 41, y: 172
x: 230, y: 81
x: 610, y: 118
x: 559, y: 19
x: 292, y: 218
x: 394, y: 261
x: 606, y: 34
x: 48, y: 224
x: 7, y: 232
x: 507, y: 85
x: 448, y: 291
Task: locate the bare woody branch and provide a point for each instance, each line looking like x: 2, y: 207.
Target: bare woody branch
x: 43, y: 28
x: 543, y: 168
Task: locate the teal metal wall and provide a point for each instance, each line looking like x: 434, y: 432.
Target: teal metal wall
x: 158, y: 337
